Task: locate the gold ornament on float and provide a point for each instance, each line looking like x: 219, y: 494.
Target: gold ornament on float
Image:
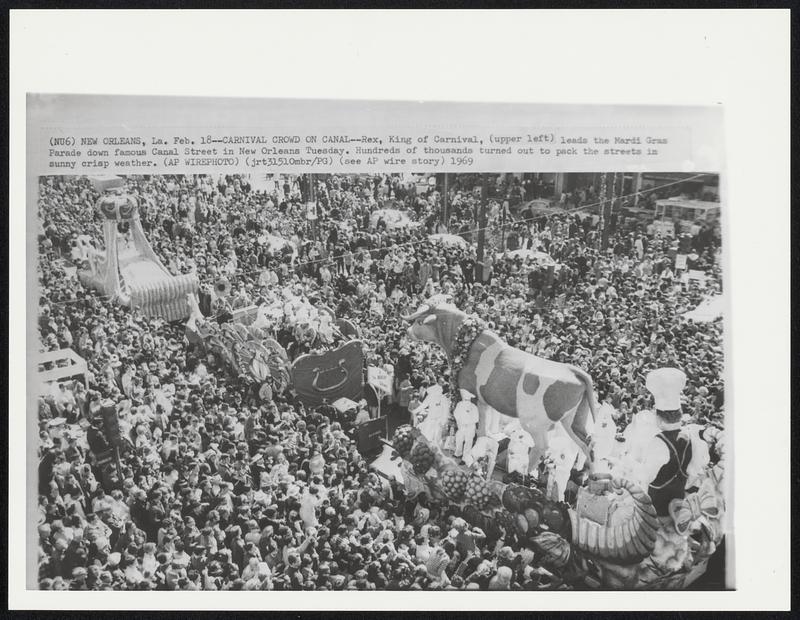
x: 222, y: 287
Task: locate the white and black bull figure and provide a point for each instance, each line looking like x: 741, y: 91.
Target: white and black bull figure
x: 537, y: 391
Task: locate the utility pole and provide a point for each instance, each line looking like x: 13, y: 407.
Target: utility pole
x: 601, y: 211
x: 637, y: 187
x: 312, y: 201
x: 503, y: 226
x: 611, y: 204
x: 605, y: 209
x: 481, y: 225
x: 446, y: 203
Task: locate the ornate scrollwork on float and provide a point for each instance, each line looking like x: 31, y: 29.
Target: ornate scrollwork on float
x: 341, y: 367
x: 117, y: 207
x: 222, y: 287
x: 683, y: 543
x: 614, y: 519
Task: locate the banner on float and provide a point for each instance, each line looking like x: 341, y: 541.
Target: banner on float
x: 328, y: 376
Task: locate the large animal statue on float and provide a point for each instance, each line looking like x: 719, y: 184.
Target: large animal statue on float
x: 537, y: 391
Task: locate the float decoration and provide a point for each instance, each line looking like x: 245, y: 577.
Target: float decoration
x: 330, y: 375
x: 488, y: 504
x: 515, y: 383
x: 243, y: 349
x: 348, y: 329
x: 683, y: 544
x: 129, y: 271
x: 614, y: 519
x: 467, y: 334
x: 611, y: 537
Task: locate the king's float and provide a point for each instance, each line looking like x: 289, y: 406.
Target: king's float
x: 642, y: 509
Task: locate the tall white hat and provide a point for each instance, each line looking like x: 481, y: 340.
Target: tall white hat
x: 666, y: 385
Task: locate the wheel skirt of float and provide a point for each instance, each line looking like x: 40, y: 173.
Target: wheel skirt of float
x: 164, y: 298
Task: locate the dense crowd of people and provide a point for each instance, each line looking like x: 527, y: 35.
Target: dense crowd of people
x: 219, y: 488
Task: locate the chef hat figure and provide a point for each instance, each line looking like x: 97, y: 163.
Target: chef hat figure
x: 666, y: 385
x: 466, y: 394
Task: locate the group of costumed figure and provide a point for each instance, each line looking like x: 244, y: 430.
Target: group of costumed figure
x: 263, y: 339
x: 280, y: 308
x: 644, y: 509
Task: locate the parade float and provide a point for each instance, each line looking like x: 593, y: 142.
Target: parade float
x: 129, y: 271
x: 247, y: 346
x: 244, y: 345
x: 609, y: 537
x: 605, y: 533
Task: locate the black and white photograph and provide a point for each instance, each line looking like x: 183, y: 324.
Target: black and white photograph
x: 385, y: 381
x: 363, y: 310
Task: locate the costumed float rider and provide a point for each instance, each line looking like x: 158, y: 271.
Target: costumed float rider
x: 466, y: 417
x: 670, y: 451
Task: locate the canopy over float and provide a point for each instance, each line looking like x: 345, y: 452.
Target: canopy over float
x: 129, y: 270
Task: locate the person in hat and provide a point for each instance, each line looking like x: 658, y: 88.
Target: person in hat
x: 363, y: 415
x: 467, y: 417
x: 670, y: 451
x: 414, y: 406
x: 502, y: 579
